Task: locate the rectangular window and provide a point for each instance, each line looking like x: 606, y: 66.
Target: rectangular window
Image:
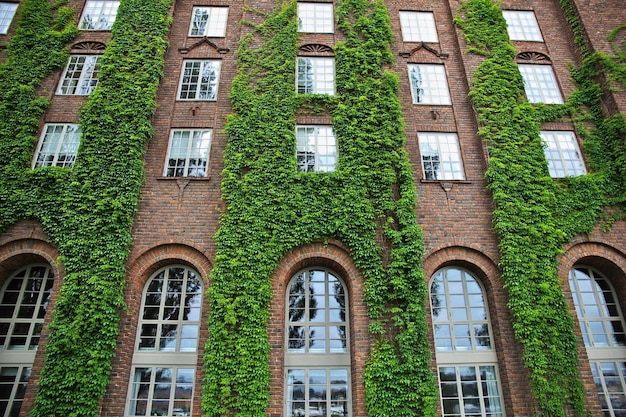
x: 317, y: 392
x: 441, y: 156
x: 315, y: 17
x: 540, y: 84
x: 418, y: 27
x: 316, y: 76
x: 99, y: 15
x: 209, y: 21
x: 610, y: 379
x: 58, y: 146
x: 429, y: 84
x: 316, y: 148
x: 470, y: 391
x: 13, y: 382
x: 80, y: 76
x: 188, y: 153
x: 563, y: 154
x: 522, y: 26
x: 7, y: 11
x: 199, y: 80
x: 156, y: 391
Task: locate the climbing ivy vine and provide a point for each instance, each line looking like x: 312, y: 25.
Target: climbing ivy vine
x: 87, y: 211
x: 536, y: 215
x: 370, y: 198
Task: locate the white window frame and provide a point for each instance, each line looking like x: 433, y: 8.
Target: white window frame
x: 598, y: 318
x: 7, y: 13
x: 25, y: 322
x: 464, y: 304
x: 444, y: 149
x: 172, y: 402
x: 64, y: 139
x: 540, y: 84
x: 418, y: 27
x: 319, y: 143
x: 563, y: 154
x: 208, y: 21
x: 315, y: 17
x: 522, y: 25
x: 429, y: 84
x: 307, y: 358
x: 315, y: 75
x: 80, y: 76
x: 150, y: 355
x: 102, y: 12
x: 197, y: 148
x: 192, y: 85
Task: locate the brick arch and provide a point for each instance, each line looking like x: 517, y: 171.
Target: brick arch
x: 336, y: 257
x: 513, y: 377
x: 139, y: 269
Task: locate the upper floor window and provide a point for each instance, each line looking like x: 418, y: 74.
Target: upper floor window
x: 188, y: 153
x: 316, y: 76
x: 199, y: 79
x: 441, y: 156
x: 602, y: 325
x: 429, y: 84
x: 562, y: 153
x: 58, y: 145
x: 316, y: 148
x: 315, y: 17
x: 99, y: 15
x: 317, y: 359
x: 540, y: 84
x: 467, y: 362
x: 80, y: 76
x: 209, y: 21
x: 163, y: 375
x: 522, y: 26
x: 7, y: 11
x: 24, y: 303
x: 418, y: 27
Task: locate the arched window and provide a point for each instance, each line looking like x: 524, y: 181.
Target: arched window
x: 165, y: 356
x: 467, y: 362
x: 602, y: 326
x: 317, y: 359
x: 24, y: 302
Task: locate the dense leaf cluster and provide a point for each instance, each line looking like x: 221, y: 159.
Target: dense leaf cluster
x: 535, y: 215
x: 272, y: 208
x: 87, y: 211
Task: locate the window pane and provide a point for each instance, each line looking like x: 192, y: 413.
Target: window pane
x: 315, y: 17
x: 522, y: 26
x: 418, y: 27
x: 563, y: 155
x: 209, y: 21
x: 429, y: 84
x: 441, y: 156
x: 540, y: 84
x: 199, y: 80
x: 7, y: 11
x: 99, y: 15
x: 316, y: 76
x: 58, y: 145
x: 80, y: 76
x: 470, y: 391
x: 188, y: 153
x: 316, y: 148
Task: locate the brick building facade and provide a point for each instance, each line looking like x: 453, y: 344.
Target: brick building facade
x: 157, y: 367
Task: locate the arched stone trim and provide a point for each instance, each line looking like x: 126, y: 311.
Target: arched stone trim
x: 533, y: 57
x: 334, y: 256
x: 89, y: 47
x: 316, y: 49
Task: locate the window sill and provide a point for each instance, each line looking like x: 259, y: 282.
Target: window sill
x: 207, y: 178
x: 445, y: 181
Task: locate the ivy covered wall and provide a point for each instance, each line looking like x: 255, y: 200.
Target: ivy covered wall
x: 87, y: 211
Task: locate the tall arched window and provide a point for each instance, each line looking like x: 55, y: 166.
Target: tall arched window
x: 165, y: 355
x: 602, y: 325
x: 24, y: 302
x: 317, y: 358
x: 467, y: 362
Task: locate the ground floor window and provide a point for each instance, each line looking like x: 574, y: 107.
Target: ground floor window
x: 157, y: 391
x: 13, y: 381
x: 610, y: 380
x: 317, y: 392
x: 470, y: 391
